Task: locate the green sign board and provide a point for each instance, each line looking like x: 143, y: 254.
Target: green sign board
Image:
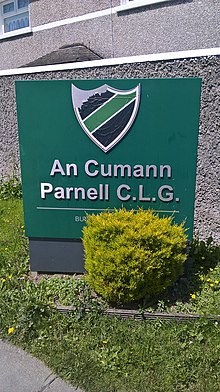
x: 91, y: 145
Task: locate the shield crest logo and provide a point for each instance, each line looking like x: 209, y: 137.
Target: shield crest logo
x: 105, y: 113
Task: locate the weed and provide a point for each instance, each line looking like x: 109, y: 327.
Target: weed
x: 206, y: 254
x: 198, y: 289
x: 10, y: 188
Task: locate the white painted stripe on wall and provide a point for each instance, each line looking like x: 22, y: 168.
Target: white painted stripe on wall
x: 96, y: 14
x: 76, y: 19
x: 114, y: 61
x: 138, y: 3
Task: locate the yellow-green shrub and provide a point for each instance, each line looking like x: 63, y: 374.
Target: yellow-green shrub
x: 132, y: 254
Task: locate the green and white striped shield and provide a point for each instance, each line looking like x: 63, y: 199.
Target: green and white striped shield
x: 106, y: 114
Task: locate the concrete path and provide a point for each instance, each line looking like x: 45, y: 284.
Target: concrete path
x: 20, y: 372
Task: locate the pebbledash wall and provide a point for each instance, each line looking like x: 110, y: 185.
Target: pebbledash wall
x: 203, y: 64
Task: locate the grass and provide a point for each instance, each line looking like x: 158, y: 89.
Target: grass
x: 102, y: 354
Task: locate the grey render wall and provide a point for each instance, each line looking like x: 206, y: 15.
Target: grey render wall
x: 207, y: 201
x: 46, y: 11
x: 164, y: 27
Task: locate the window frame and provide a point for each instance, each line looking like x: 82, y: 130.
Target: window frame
x: 17, y: 11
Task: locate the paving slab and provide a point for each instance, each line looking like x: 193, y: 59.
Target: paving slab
x: 21, y: 372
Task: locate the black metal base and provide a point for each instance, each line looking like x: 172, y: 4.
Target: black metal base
x: 56, y: 255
